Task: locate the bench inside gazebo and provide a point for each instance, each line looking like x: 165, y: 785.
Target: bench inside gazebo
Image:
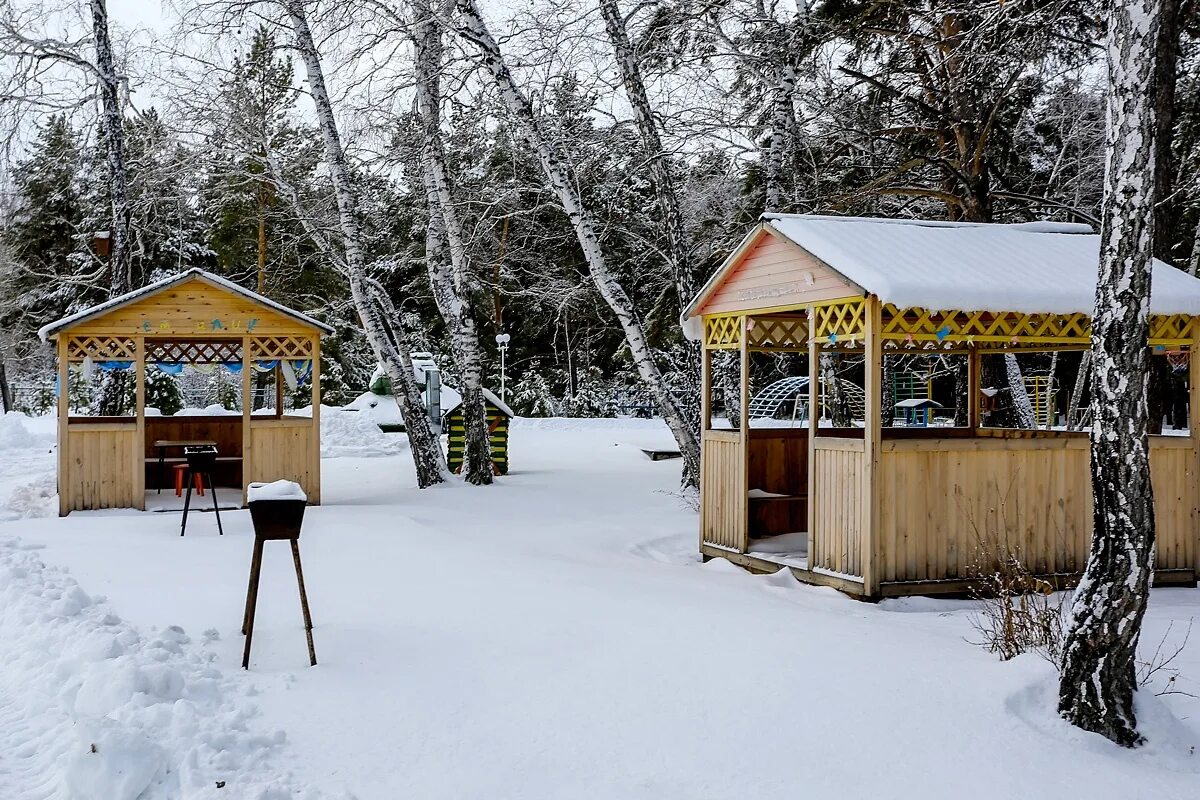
x: 876, y: 510
x: 199, y: 320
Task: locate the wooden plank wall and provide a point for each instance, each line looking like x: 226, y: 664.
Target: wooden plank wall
x: 835, y: 543
x: 101, y: 463
x: 950, y: 505
x: 723, y: 491
x: 1174, y: 505
x: 226, y: 431
x: 281, y: 450
x: 779, y: 460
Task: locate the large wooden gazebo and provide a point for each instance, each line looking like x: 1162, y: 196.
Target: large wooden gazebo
x: 194, y: 318
x: 881, y: 511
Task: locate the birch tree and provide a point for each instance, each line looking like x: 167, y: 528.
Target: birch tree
x: 111, y: 120
x: 1098, y: 681
x: 558, y: 175
x: 390, y: 349
x: 454, y: 286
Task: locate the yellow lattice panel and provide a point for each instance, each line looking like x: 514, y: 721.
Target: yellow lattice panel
x: 1171, y: 330
x: 840, y: 322
x: 722, y: 332
x: 778, y: 333
x: 195, y: 351
x: 984, y: 328
x: 103, y: 348
x: 269, y: 347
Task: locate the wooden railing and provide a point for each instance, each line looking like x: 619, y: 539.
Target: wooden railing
x: 723, y: 491
x: 836, y: 541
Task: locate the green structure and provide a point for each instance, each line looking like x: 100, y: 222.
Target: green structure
x: 498, y: 416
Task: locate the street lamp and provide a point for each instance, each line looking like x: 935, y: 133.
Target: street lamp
x: 502, y: 343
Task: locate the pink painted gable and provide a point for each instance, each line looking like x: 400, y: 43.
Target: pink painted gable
x: 775, y: 272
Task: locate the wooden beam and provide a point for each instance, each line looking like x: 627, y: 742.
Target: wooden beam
x: 64, y: 413
x: 814, y: 413
x: 706, y: 357
x: 1194, y: 435
x: 744, y: 427
x: 974, y: 366
x: 247, y: 409
x: 139, y: 448
x: 872, y: 435
x: 314, y: 492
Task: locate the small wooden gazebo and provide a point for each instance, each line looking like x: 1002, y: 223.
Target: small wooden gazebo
x: 196, y: 318
x: 917, y: 510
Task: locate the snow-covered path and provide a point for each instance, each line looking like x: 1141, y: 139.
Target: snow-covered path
x: 555, y: 636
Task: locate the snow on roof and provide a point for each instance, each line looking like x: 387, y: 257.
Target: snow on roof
x: 1036, y: 267
x: 1032, y: 267
x: 450, y: 397
x: 137, y: 294
x: 918, y: 402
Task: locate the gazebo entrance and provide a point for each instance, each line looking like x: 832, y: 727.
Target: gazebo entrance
x: 193, y: 320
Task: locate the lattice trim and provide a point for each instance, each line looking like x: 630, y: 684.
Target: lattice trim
x: 1172, y: 330
x: 778, y: 333
x: 280, y: 347
x: 723, y: 332
x: 840, y: 322
x: 1014, y: 329
x: 194, y: 352
x: 102, y: 348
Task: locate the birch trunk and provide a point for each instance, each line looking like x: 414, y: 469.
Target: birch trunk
x: 1022, y: 407
x: 1081, y: 382
x: 782, y: 120
x: 120, y: 280
x: 1098, y: 681
x: 558, y: 175
x: 120, y: 276
x: 665, y: 192
x: 391, y: 350
x: 839, y: 410
x: 452, y: 283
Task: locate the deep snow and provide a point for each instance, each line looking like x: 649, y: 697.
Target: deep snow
x: 551, y: 636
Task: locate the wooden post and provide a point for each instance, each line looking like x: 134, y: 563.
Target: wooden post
x: 744, y: 427
x: 139, y: 447
x: 1194, y: 435
x: 314, y: 491
x: 247, y: 408
x: 873, y: 363
x: 814, y: 418
x: 705, y: 426
x: 973, y: 372
x: 64, y: 412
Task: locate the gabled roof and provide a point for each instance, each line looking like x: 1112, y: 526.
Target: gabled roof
x: 1036, y: 267
x: 166, y: 283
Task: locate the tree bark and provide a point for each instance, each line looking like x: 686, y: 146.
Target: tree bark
x: 1081, y: 382
x: 1098, y: 681
x: 453, y: 284
x: 559, y: 176
x: 391, y: 350
x: 1022, y: 407
x: 120, y: 275
x: 6, y: 395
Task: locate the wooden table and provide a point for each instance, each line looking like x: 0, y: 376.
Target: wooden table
x: 162, y: 444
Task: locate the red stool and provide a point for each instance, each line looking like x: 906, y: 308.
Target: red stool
x: 197, y: 479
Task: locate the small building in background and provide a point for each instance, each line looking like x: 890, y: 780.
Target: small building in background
x: 498, y: 417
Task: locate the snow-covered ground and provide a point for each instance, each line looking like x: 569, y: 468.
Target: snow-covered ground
x: 552, y: 636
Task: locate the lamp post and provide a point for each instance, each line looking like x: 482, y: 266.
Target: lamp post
x: 502, y: 343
